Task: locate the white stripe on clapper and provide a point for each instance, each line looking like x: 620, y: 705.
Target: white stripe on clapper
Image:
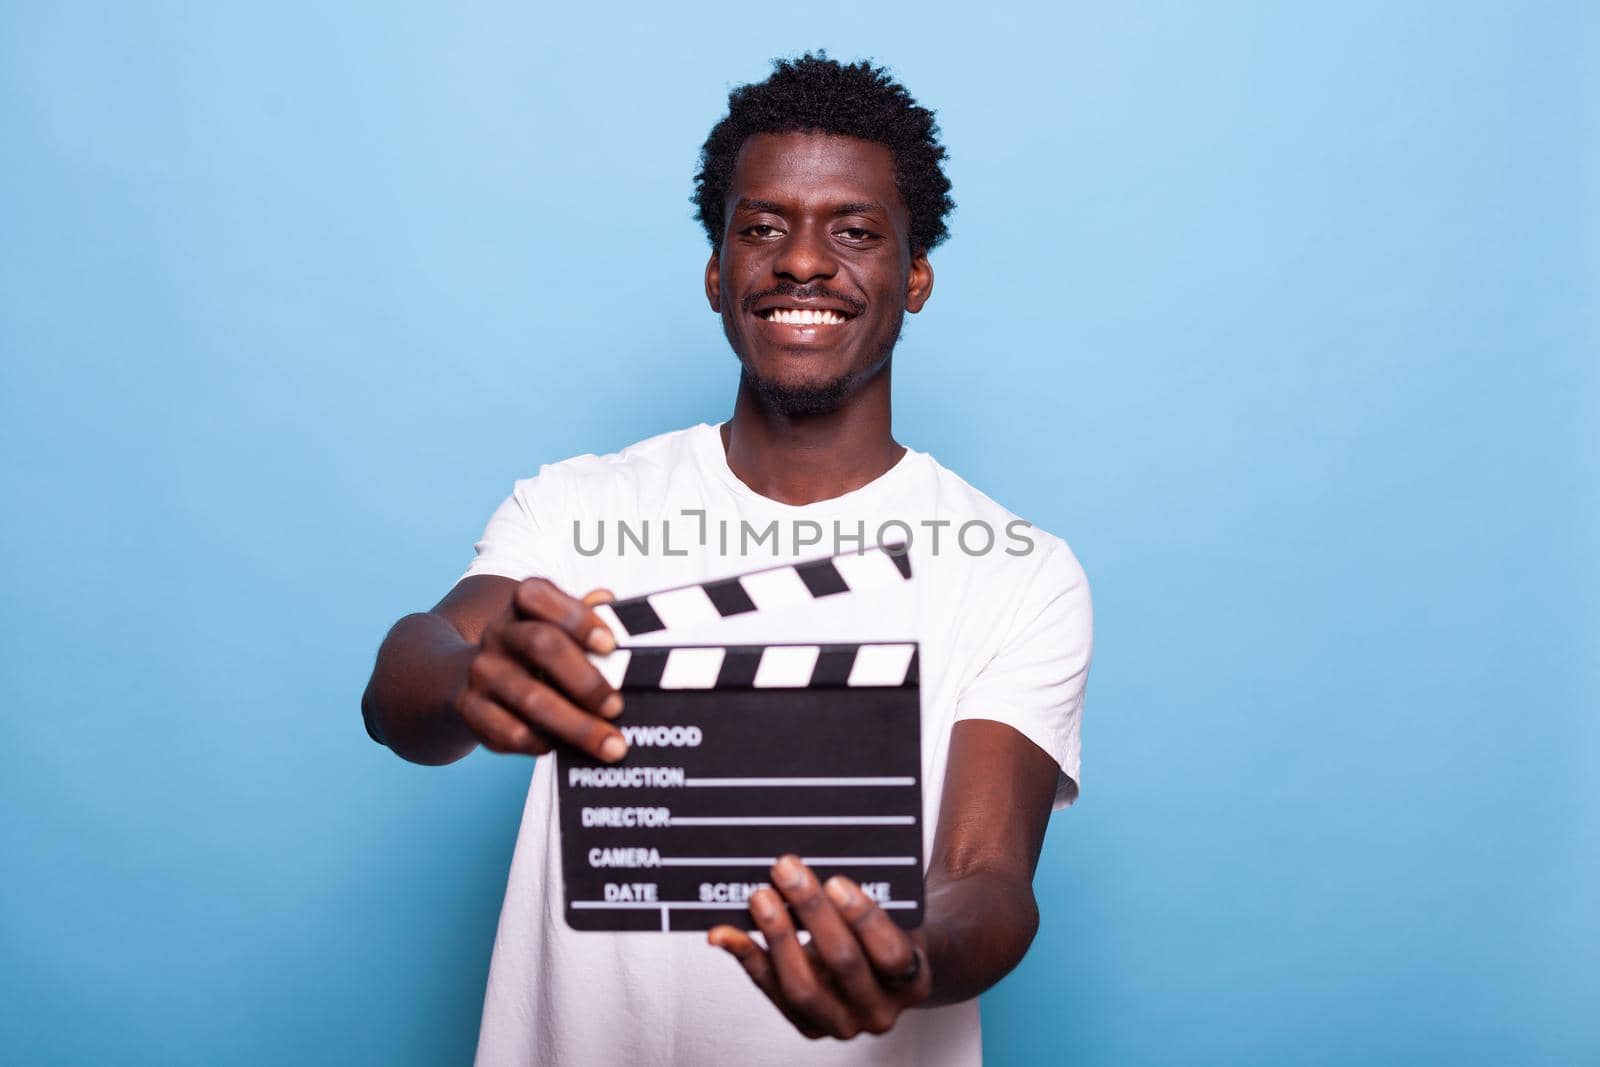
x: 869, y: 570
x: 779, y: 587
x: 689, y: 606
x: 692, y: 668
x: 786, y: 666
x: 880, y: 664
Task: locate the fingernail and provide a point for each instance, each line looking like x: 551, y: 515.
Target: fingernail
x: 601, y: 641
x: 838, y: 891
x: 613, y: 749
x: 789, y: 873
x: 612, y: 706
x: 761, y: 905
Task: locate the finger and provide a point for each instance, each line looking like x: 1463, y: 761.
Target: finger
x: 596, y: 597
x: 751, y: 956
x: 559, y: 660
x: 803, y: 989
x: 890, y: 949
x: 546, y: 710
x: 497, y: 729
x: 758, y: 965
x: 836, y: 945
x: 817, y: 965
x: 538, y: 598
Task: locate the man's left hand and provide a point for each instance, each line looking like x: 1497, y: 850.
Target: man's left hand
x: 858, y: 973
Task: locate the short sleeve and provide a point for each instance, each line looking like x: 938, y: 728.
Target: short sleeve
x: 522, y: 538
x: 1035, y: 681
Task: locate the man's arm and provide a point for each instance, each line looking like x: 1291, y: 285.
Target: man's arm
x: 860, y: 969
x: 498, y: 663
x: 980, y: 910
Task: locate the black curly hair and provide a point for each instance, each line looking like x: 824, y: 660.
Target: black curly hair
x: 815, y: 93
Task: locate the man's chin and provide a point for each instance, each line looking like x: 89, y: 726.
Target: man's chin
x: 799, y: 399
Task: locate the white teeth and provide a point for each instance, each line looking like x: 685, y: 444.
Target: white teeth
x: 805, y: 317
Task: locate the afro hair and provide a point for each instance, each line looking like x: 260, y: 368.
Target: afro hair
x: 816, y: 94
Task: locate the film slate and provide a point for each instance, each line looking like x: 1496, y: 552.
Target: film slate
x: 739, y: 753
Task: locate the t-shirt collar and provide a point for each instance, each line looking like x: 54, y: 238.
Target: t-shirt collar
x: 714, y: 458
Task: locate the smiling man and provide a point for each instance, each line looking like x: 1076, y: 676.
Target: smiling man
x: 822, y: 193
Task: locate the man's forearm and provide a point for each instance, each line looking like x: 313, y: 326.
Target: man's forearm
x: 408, y: 704
x: 977, y: 928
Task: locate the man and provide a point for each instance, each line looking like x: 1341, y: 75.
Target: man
x: 822, y: 193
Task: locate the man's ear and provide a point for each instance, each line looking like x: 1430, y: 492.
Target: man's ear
x: 714, y: 283
x: 920, y: 283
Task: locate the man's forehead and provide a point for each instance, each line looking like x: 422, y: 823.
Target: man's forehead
x: 813, y: 168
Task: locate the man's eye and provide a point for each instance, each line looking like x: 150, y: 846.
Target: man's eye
x: 856, y: 233
x: 761, y: 229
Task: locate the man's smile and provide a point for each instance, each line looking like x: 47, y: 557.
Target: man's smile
x: 791, y: 326
x: 804, y: 316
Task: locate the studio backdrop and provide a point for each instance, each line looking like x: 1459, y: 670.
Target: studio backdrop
x: 1283, y: 315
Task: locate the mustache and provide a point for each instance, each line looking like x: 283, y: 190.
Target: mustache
x: 803, y: 292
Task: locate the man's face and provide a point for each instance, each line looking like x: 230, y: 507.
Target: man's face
x: 815, y: 273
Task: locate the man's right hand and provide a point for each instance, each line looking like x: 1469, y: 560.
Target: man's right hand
x: 530, y: 683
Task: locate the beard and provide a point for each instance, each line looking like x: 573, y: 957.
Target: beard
x: 812, y: 398
x: 800, y: 401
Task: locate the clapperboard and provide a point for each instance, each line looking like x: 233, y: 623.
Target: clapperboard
x: 741, y: 752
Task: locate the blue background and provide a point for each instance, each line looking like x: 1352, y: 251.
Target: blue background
x: 1276, y: 312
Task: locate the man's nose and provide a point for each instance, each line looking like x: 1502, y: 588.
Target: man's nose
x: 806, y: 256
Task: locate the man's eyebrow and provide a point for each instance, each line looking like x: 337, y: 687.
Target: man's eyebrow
x: 860, y: 207
x: 852, y: 207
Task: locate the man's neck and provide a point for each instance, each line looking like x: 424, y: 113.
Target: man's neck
x: 801, y: 460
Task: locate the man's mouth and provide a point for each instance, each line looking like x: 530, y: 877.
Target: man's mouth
x: 804, y: 316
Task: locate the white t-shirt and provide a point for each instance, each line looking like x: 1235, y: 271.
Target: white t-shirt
x: 1004, y: 622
